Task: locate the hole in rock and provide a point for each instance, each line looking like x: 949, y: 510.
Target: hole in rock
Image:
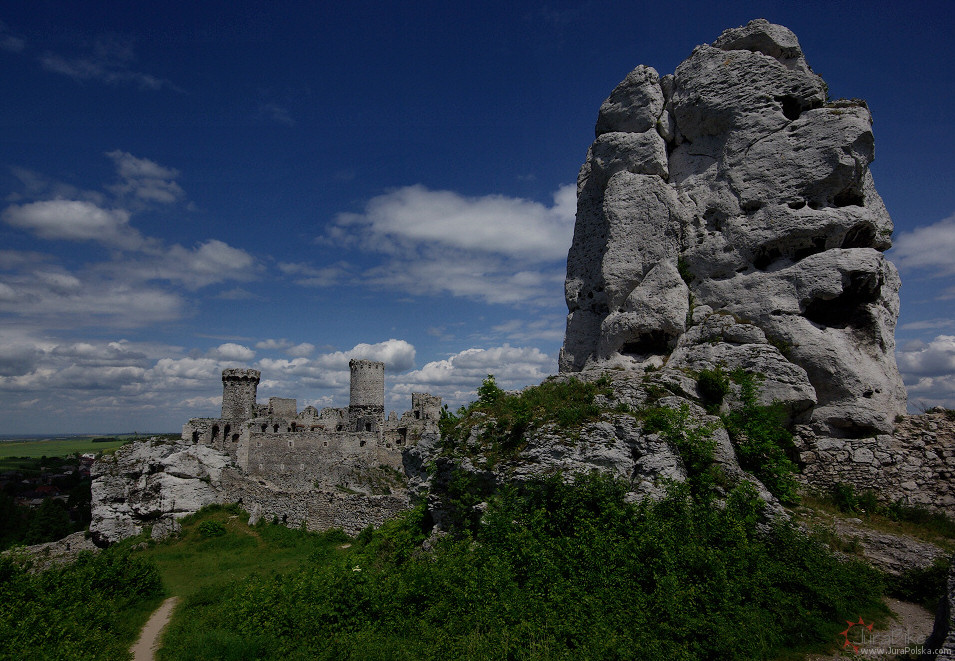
x: 860, y: 236
x: 848, y: 197
x: 765, y: 256
x: 751, y: 206
x: 792, y: 107
x: 848, y: 309
x: 818, y: 245
x: 797, y: 204
x: 654, y: 343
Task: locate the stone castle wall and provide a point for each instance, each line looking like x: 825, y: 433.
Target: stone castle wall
x: 915, y: 465
x: 317, y: 509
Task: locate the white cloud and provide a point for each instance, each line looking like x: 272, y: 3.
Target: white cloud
x: 935, y: 358
x: 74, y: 220
x: 493, y: 248
x: 493, y: 224
x: 145, y: 179
x: 397, y: 355
x: 928, y: 370
x: 111, y: 62
x: 457, y: 378
x: 302, y: 350
x: 232, y: 352
x: 929, y: 247
x: 207, y: 263
x: 307, y: 275
x: 57, y: 298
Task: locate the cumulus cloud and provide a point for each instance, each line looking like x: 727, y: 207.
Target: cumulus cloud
x: 493, y: 248
x: 145, y: 179
x: 929, y: 247
x: 232, y: 352
x: 58, y: 298
x: 928, y: 370
x: 934, y: 358
x: 492, y: 224
x: 206, y: 263
x: 397, y: 355
x: 74, y: 220
x: 457, y: 378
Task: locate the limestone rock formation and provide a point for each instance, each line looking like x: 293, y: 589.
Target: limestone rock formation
x: 152, y: 483
x: 733, y: 189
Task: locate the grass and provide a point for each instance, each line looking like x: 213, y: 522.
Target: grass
x: 59, y: 447
x: 192, y: 561
x: 928, y: 531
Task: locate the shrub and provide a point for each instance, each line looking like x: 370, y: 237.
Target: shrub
x: 714, y: 385
x: 211, y: 529
x: 555, y: 570
x: 761, y: 440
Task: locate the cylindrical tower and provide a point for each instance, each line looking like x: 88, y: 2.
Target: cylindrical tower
x: 366, y: 406
x: 239, y: 387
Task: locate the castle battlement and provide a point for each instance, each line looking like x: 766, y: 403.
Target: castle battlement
x: 334, y: 447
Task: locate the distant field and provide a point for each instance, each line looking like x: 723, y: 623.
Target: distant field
x: 60, y: 447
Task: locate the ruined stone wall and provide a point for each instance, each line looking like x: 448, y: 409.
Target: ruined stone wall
x: 303, y: 459
x: 319, y: 510
x: 283, y: 407
x: 914, y: 465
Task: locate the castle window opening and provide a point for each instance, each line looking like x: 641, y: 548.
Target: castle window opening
x: 235, y: 438
x: 362, y: 444
x: 275, y: 428
x: 215, y: 432
x: 228, y: 428
x: 290, y: 443
x: 325, y: 444
x: 367, y: 426
x: 264, y: 427
x: 195, y: 436
x: 417, y: 415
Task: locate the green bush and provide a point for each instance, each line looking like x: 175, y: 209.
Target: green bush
x: 761, y: 440
x: 714, y: 385
x: 505, y: 418
x: 553, y: 570
x: 78, y: 611
x: 211, y: 529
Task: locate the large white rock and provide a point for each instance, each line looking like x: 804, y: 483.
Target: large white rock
x: 765, y: 210
x: 152, y: 483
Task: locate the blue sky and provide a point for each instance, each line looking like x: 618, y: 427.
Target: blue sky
x: 190, y: 186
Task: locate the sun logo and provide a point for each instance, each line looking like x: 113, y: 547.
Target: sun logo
x: 845, y: 634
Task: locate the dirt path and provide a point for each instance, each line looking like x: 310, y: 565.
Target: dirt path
x: 145, y: 648
x: 912, y: 625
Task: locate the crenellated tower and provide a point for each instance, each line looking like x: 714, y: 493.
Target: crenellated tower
x: 239, y: 387
x: 366, y: 406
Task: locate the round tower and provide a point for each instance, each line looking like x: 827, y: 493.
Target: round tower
x: 239, y: 387
x: 366, y: 406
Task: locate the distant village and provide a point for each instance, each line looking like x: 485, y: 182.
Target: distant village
x: 57, y: 477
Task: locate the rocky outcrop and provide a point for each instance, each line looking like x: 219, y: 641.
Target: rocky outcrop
x: 152, y: 483
x: 726, y: 215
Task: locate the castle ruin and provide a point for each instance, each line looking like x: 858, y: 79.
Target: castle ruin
x: 333, y: 448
